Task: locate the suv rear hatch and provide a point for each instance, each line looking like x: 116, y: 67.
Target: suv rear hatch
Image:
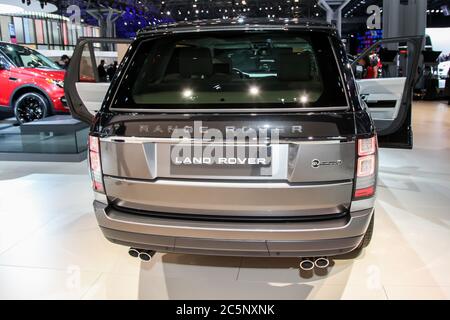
x: 282, y: 90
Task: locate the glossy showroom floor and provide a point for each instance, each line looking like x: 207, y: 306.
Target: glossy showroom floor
x: 51, y: 247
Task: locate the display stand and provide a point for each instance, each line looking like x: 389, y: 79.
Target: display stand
x: 58, y: 138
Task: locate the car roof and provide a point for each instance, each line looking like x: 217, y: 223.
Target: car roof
x: 238, y: 24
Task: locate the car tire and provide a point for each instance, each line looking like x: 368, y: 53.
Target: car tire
x: 368, y: 235
x: 31, y: 106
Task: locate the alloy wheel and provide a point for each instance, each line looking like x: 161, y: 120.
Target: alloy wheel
x: 30, y: 108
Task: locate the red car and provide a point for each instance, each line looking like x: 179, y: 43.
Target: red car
x: 30, y: 84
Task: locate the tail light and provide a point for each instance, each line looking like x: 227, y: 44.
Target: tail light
x: 95, y: 164
x: 366, y: 168
x: 367, y: 146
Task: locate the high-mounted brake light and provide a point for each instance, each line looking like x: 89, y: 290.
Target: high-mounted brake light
x: 366, y: 168
x: 95, y: 164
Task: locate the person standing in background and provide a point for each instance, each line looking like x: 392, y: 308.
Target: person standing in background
x: 64, y: 61
x: 112, y: 70
x: 101, y: 71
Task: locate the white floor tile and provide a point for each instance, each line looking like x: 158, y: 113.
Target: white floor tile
x: 418, y: 292
x: 33, y: 283
x: 50, y: 247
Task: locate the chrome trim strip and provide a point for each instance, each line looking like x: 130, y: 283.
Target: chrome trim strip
x: 113, y: 139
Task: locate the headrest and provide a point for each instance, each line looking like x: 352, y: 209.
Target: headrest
x: 195, y: 62
x: 294, y: 66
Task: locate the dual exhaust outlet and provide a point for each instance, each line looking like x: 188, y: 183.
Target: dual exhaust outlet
x: 144, y: 255
x: 308, y: 264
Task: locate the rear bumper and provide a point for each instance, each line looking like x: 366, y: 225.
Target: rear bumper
x: 293, y: 239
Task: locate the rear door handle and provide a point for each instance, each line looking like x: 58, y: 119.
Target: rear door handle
x: 13, y: 79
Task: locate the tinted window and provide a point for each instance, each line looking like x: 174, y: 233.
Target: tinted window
x: 27, y: 58
x: 233, y: 70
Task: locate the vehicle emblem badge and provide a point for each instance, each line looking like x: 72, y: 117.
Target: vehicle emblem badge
x: 317, y: 163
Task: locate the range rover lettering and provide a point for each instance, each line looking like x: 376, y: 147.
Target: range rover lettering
x: 241, y: 139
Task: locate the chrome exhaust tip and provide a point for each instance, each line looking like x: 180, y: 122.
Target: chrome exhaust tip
x: 306, y: 264
x: 146, y: 255
x: 133, y: 252
x: 322, y: 262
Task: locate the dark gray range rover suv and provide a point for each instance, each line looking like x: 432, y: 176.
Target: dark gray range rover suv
x: 242, y: 138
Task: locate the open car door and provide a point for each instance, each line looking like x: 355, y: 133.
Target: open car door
x: 92, y: 67
x: 386, y: 74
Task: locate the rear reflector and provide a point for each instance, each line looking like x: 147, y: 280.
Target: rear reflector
x: 366, y: 192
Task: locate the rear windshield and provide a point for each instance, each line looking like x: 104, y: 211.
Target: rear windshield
x: 233, y: 70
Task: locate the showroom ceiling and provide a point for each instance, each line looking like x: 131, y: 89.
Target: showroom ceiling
x: 139, y: 13
x: 357, y: 8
